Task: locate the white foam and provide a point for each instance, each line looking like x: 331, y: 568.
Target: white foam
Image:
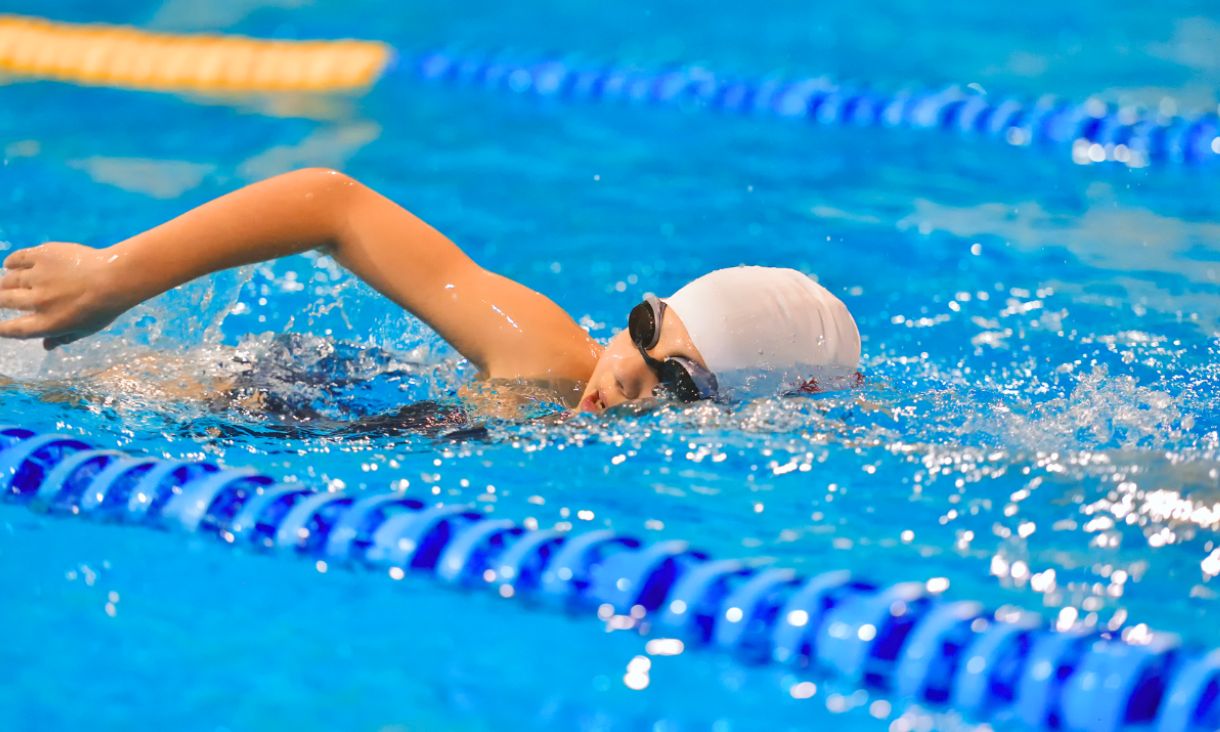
x: 20, y: 359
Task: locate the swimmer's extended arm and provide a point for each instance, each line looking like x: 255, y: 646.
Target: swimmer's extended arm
x: 506, y: 329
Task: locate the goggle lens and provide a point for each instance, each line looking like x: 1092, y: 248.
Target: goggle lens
x: 677, y: 380
x: 679, y: 377
x: 642, y: 325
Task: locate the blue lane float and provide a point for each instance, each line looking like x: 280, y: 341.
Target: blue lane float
x: 900, y: 639
x: 1093, y: 131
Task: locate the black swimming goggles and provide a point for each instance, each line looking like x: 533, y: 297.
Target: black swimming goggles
x: 681, y: 377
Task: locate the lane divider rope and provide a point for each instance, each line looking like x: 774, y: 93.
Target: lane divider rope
x: 1093, y: 131
x: 129, y: 57
x: 901, y: 639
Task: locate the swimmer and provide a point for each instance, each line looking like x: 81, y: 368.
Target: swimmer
x: 742, y: 331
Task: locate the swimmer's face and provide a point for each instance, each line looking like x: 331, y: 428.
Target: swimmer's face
x: 621, y: 375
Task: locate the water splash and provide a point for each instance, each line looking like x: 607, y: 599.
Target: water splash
x: 1102, y: 411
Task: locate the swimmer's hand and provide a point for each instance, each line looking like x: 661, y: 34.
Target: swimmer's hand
x: 67, y: 291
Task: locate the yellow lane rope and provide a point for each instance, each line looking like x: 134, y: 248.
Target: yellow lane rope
x: 120, y: 56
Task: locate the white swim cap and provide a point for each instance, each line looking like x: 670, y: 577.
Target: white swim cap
x: 768, y: 329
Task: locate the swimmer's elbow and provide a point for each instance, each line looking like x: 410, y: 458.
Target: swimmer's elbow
x: 331, y: 195
x: 324, y: 177
x: 326, y: 187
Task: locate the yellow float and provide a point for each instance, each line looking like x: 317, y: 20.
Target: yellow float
x: 108, y: 55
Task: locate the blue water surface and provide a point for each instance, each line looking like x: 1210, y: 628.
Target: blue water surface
x: 1037, y: 427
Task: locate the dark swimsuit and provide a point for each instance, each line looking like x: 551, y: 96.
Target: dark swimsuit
x: 331, y: 371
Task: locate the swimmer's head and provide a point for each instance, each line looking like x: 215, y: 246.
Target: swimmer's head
x: 758, y: 330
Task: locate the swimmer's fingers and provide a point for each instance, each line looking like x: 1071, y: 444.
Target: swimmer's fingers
x: 53, y: 330
x: 15, y: 279
x: 31, y: 256
x: 22, y: 270
x: 18, y: 299
x: 33, y: 325
x: 23, y: 263
x: 20, y: 259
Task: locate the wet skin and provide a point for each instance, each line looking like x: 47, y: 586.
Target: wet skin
x: 68, y: 291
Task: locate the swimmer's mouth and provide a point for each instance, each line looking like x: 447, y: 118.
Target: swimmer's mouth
x: 593, y: 402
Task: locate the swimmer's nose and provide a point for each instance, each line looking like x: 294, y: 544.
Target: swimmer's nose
x: 623, y: 379
x: 633, y: 379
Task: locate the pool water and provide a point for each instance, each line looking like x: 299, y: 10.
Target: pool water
x: 1037, y: 426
